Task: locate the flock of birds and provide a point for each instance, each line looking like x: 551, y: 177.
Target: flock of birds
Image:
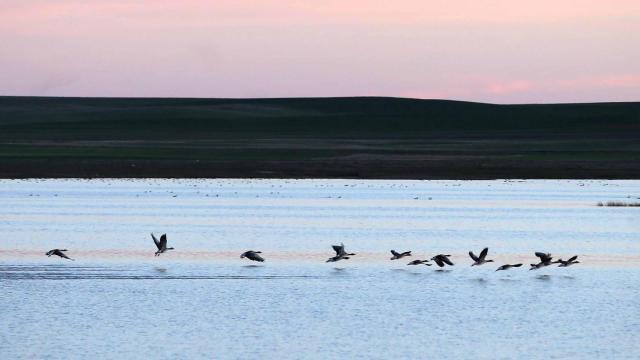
x: 441, y: 260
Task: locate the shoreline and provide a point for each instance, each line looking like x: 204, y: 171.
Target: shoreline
x: 322, y: 169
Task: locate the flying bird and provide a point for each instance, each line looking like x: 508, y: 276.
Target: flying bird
x: 58, y: 252
x: 545, y: 260
x: 508, y: 266
x: 441, y: 260
x: 397, y: 255
x: 161, y: 245
x: 252, y: 255
x: 419, y: 262
x: 569, y: 262
x: 340, y: 253
x: 479, y: 260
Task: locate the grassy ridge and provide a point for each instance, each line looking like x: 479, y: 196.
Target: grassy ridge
x: 317, y: 137
x: 161, y: 118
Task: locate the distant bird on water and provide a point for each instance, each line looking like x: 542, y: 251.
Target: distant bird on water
x: 545, y: 260
x: 569, y: 262
x: 508, y: 266
x: 479, y: 260
x: 162, y: 244
x: 58, y: 252
x: 252, y: 255
x: 419, y: 262
x: 340, y: 253
x: 397, y: 255
x: 442, y: 259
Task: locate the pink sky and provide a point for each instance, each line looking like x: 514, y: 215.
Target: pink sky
x: 494, y: 51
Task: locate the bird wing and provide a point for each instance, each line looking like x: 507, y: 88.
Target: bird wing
x: 338, y: 249
x: 573, y: 258
x: 155, y: 241
x: 483, y: 253
x: 543, y: 257
x: 62, y: 255
x: 446, y: 260
x: 516, y: 265
x: 163, y: 241
x: 342, y: 252
x: 439, y: 262
x: 473, y: 256
x: 257, y: 257
x: 395, y: 253
x: 50, y: 252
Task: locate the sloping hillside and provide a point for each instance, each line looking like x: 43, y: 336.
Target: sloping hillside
x: 368, y: 137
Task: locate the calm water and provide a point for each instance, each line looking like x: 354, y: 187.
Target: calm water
x: 201, y: 301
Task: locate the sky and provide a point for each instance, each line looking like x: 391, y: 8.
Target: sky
x: 512, y: 51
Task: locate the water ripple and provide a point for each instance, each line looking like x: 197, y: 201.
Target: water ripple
x: 52, y: 272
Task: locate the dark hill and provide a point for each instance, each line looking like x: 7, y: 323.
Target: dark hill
x: 368, y: 137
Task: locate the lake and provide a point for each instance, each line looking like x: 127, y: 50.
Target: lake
x: 117, y: 300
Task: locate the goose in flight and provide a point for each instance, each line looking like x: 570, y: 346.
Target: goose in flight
x: 569, y: 262
x: 397, y: 255
x: 252, y: 255
x: 58, y: 252
x: 479, y: 260
x: 419, y: 262
x: 442, y: 260
x: 508, y: 266
x: 545, y: 260
x: 162, y: 244
x: 340, y: 253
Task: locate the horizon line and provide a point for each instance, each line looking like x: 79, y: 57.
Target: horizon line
x: 311, y: 97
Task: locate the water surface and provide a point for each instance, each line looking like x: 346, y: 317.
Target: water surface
x: 117, y: 300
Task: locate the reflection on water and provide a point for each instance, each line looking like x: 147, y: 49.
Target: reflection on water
x: 57, y: 272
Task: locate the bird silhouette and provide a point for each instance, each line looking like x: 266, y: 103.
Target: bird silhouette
x: 252, y: 255
x: 161, y: 245
x: 419, y: 262
x: 397, y: 255
x: 442, y: 260
x: 340, y: 253
x: 58, y: 252
x: 481, y: 259
x: 569, y: 262
x: 508, y: 266
x: 545, y: 260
